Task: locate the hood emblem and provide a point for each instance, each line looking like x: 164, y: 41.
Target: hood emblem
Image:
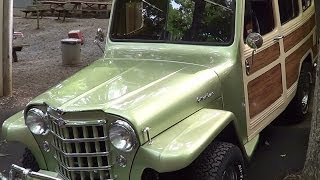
x: 55, y: 116
x: 57, y: 120
x: 204, y: 97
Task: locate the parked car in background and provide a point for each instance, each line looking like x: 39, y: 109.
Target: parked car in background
x: 184, y: 89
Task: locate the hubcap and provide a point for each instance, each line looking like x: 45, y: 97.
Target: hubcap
x: 230, y: 173
x: 304, y: 102
x: 305, y: 97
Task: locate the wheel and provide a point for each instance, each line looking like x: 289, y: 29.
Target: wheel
x: 29, y: 161
x: 219, y: 161
x: 299, y: 106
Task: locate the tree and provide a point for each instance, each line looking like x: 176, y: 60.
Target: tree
x: 311, y: 168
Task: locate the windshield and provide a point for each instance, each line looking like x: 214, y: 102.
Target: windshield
x: 174, y: 21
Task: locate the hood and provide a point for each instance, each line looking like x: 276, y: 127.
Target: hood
x: 155, y: 94
x: 148, y: 92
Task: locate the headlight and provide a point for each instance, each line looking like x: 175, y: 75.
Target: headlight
x: 122, y: 136
x: 35, y: 120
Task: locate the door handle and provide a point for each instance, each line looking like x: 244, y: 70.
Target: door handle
x: 278, y: 38
x: 248, y: 64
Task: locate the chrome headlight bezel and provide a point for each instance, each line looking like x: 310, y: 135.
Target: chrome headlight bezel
x: 118, y: 131
x: 36, y: 117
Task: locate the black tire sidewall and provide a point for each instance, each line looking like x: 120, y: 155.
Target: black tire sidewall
x: 298, y: 113
x: 303, y: 86
x: 29, y: 161
x: 233, y: 158
x: 215, y: 159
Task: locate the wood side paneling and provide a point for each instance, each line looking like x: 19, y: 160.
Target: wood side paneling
x: 293, y: 62
x: 298, y: 35
x: 264, y: 90
x: 265, y: 57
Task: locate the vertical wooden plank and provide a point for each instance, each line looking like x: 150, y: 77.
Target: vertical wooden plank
x: 7, y: 47
x: 1, y: 48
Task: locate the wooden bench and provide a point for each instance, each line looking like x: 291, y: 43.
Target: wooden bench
x: 15, y: 48
x: 65, y: 10
x: 42, y: 8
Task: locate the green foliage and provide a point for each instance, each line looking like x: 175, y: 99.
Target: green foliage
x: 214, y: 23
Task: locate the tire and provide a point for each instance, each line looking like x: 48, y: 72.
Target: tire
x: 219, y: 161
x: 299, y: 106
x: 29, y: 161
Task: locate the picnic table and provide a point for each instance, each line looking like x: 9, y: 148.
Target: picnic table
x: 100, y: 5
x: 68, y: 7
x: 54, y: 4
x: 77, y: 5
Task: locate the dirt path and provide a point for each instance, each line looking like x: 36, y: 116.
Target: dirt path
x: 39, y: 66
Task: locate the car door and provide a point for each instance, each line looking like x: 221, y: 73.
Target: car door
x: 263, y: 70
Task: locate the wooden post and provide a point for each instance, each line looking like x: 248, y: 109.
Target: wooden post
x: 38, y: 18
x: 7, y: 47
x: 1, y: 50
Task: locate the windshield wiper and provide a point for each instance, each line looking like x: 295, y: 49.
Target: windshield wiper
x: 153, y: 6
x: 220, y: 5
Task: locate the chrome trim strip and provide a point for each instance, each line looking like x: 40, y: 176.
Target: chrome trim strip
x: 80, y: 154
x: 77, y: 123
x: 105, y: 138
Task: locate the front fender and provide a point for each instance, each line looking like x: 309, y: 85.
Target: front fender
x: 180, y: 145
x: 15, y: 130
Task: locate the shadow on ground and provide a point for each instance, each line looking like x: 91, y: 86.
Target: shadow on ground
x: 281, y: 150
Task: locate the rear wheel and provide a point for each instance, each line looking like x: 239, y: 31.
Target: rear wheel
x: 299, y: 106
x: 220, y: 161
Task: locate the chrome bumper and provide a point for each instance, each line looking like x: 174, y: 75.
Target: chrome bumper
x: 22, y: 173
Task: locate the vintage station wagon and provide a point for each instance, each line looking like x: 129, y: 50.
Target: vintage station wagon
x: 183, y: 91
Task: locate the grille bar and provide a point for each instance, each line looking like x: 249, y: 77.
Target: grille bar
x: 88, y: 150
x: 80, y: 154
x: 76, y: 135
x: 83, y: 168
x: 68, y: 140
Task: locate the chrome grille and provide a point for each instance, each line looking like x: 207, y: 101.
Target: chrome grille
x: 80, y: 148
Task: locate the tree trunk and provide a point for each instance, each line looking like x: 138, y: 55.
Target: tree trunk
x: 311, y: 168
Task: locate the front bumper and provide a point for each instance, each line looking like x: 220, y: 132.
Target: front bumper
x: 17, y: 172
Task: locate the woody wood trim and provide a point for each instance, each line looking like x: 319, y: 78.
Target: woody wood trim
x: 265, y: 90
x: 298, y: 35
x: 264, y: 58
x: 293, y: 61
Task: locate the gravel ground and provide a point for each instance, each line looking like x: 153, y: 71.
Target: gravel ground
x: 39, y: 65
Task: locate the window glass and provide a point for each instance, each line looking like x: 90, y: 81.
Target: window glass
x: 289, y: 9
x: 258, y: 17
x: 306, y: 4
x: 205, y: 21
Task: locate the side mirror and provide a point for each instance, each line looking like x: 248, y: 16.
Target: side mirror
x: 100, y: 36
x: 254, y: 40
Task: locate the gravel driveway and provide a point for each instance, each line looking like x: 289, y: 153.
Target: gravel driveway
x: 39, y: 65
